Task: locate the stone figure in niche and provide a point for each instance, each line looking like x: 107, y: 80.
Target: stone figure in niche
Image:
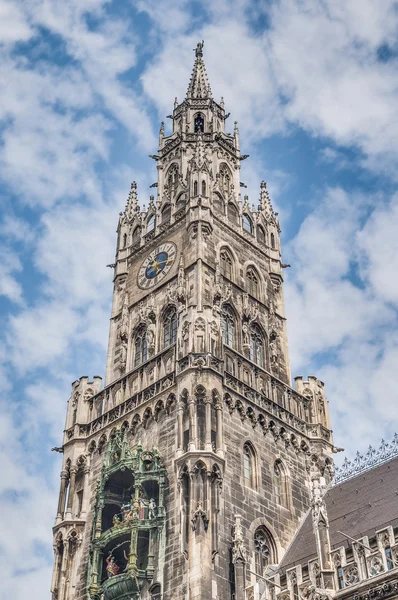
x: 151, y: 332
x: 116, y: 520
x: 152, y: 509
x: 123, y: 354
x: 112, y: 568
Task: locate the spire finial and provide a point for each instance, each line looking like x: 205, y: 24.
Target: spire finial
x: 199, y: 85
x: 199, y: 49
x: 132, y: 202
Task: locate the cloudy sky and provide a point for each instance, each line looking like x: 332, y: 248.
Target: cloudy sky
x: 83, y: 88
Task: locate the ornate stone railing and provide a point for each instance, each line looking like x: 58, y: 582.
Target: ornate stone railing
x: 364, y: 462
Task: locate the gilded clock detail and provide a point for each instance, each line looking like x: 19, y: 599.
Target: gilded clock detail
x: 156, y: 266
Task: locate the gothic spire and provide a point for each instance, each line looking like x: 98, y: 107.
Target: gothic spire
x: 199, y: 86
x: 132, y: 202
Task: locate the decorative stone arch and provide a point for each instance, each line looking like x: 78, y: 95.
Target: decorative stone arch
x: 159, y: 409
x: 125, y: 426
x: 261, y: 233
x: 147, y: 417
x: 92, y: 447
x: 101, y: 443
x: 135, y: 424
x: 257, y: 324
x: 169, y: 323
x: 170, y: 403
x: 219, y: 203
x: 247, y: 222
x: 233, y: 213
x: 150, y: 224
x: 225, y: 179
x: 180, y: 202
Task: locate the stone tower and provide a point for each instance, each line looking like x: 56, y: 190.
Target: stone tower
x: 187, y: 474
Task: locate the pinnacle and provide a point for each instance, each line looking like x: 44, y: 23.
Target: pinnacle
x: 199, y: 86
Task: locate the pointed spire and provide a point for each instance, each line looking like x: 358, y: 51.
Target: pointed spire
x: 199, y: 86
x: 265, y: 201
x: 132, y: 202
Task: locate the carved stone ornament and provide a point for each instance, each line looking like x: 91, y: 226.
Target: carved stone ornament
x: 199, y: 514
x: 238, y: 548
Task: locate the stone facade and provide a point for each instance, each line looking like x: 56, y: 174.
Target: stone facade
x: 197, y: 414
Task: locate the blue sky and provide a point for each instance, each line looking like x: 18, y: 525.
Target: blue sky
x: 83, y: 88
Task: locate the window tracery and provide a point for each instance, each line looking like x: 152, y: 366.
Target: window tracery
x: 280, y: 484
x: 252, y: 283
x: 232, y: 212
x: 140, y: 347
x: 170, y: 327
x: 150, y: 224
x: 199, y: 123
x: 264, y: 548
x: 226, y: 264
x: 256, y: 345
x: 260, y: 234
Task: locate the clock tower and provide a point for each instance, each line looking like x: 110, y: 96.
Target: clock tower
x: 186, y: 475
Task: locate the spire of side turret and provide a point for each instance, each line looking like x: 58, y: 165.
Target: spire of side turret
x: 199, y: 86
x: 132, y: 202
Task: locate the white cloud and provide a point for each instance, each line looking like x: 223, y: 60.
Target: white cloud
x: 9, y: 265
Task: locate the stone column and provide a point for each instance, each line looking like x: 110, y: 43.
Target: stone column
x: 72, y: 483
x: 193, y: 420
x: 151, y: 552
x: 219, y: 436
x: 208, y: 446
x: 180, y: 433
x: 132, y: 564
x: 62, y: 495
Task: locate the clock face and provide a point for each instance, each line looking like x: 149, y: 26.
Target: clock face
x: 156, y: 266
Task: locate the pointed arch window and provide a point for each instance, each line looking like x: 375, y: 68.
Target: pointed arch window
x: 151, y: 224
x: 256, y: 346
x: 260, y: 234
x: 228, y: 326
x: 136, y: 238
x: 166, y: 213
x: 172, y: 178
x: 232, y: 213
x: 264, y: 548
x: 124, y: 240
x: 203, y: 187
x: 273, y: 241
x: 140, y: 347
x: 225, y: 179
x: 252, y: 283
x: 249, y: 466
x: 155, y: 592
x: 199, y: 123
x: 170, y: 327
x: 280, y: 484
x: 247, y: 223
x: 226, y: 264
x: 195, y: 188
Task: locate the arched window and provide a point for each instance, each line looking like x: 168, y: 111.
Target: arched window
x: 232, y: 213
x: 264, y: 548
x: 151, y: 224
x: 252, y: 283
x: 195, y: 188
x: 226, y: 264
x: 249, y: 466
x: 136, y: 238
x: 166, y: 213
x: 172, y: 177
x: 203, y: 188
x: 228, y: 326
x: 155, y: 592
x: 140, y: 347
x: 199, y: 123
x: 260, y: 234
x: 247, y: 223
x: 280, y: 484
x: 340, y: 577
x: 170, y: 327
x: 124, y: 240
x: 272, y: 241
x: 225, y: 179
x: 256, y: 346
x: 229, y: 365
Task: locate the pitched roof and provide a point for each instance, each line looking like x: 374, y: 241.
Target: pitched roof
x: 358, y: 507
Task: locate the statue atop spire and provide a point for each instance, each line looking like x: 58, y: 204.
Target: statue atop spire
x: 199, y: 86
